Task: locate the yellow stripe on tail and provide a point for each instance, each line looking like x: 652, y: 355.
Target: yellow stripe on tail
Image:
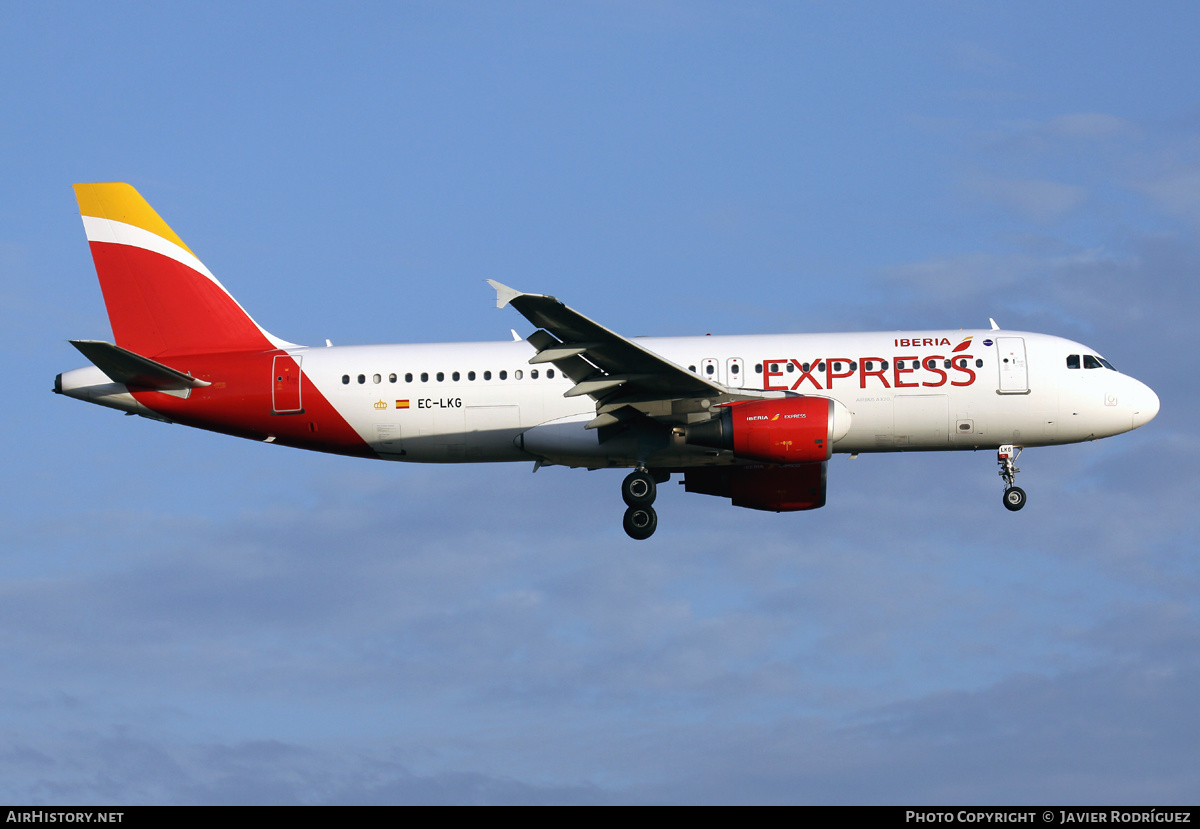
x: 121, y: 203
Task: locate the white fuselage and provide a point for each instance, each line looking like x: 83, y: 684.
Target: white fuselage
x: 1003, y: 387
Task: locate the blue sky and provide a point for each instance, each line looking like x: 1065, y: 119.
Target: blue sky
x: 188, y: 618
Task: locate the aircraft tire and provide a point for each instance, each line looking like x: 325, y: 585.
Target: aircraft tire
x: 640, y: 522
x: 638, y: 489
x: 1014, y: 498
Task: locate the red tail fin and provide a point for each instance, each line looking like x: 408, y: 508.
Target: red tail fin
x: 161, y: 299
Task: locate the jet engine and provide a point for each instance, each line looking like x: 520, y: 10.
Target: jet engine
x: 786, y: 430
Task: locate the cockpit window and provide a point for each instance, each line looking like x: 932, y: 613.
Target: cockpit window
x: 1106, y: 364
x: 1072, y: 361
x: 1091, y: 362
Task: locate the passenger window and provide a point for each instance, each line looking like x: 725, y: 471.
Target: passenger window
x: 470, y: 375
x: 692, y: 369
x: 487, y: 375
x: 1073, y: 361
x: 758, y: 368
x: 805, y: 367
x: 853, y: 366
x: 441, y: 376
x: 790, y: 368
x: 533, y: 374
x: 517, y: 375
x: 454, y: 377
x: 504, y: 375
x: 408, y: 377
x: 345, y: 379
x: 884, y: 365
x: 550, y: 373
x: 362, y: 378
x: 733, y: 369
x: 392, y: 378
x: 1091, y: 362
x: 424, y: 376
x: 709, y: 369
x: 979, y: 364
x: 820, y: 366
x: 376, y: 379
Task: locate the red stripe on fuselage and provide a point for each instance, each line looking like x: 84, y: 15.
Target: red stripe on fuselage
x: 159, y: 306
x: 239, y: 403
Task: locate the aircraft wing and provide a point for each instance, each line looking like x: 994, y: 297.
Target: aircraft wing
x: 613, y: 370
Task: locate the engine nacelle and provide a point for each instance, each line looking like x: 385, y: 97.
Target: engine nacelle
x: 773, y: 488
x: 787, y: 430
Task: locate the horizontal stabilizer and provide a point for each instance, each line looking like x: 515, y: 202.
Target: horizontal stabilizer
x: 131, y: 369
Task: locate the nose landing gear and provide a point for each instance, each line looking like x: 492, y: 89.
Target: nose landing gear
x: 639, y: 490
x: 1014, y: 496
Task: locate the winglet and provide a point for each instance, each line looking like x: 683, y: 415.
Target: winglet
x: 504, y: 294
x: 994, y: 326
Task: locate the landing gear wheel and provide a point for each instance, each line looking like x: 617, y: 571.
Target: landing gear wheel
x: 640, y: 522
x: 1014, y: 498
x: 638, y: 489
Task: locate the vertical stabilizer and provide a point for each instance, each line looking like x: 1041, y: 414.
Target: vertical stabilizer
x: 161, y: 299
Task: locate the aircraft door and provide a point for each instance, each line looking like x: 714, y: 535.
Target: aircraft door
x: 285, y: 384
x: 733, y: 370
x: 710, y: 369
x: 1014, y: 373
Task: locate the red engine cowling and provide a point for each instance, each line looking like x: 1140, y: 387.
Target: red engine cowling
x: 773, y: 488
x: 787, y: 430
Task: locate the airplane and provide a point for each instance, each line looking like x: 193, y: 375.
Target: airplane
x: 754, y: 419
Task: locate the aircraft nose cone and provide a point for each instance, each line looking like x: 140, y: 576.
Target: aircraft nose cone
x: 1145, y: 405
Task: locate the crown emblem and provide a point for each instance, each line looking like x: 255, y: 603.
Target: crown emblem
x: 381, y: 405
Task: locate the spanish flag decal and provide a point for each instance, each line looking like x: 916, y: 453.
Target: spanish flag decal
x: 401, y: 404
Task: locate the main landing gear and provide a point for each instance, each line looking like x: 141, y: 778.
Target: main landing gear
x: 639, y: 490
x: 1014, y: 496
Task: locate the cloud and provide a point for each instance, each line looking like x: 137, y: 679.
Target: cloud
x: 519, y: 649
x: 1041, y: 202
x: 1087, y: 125
x: 1177, y: 192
